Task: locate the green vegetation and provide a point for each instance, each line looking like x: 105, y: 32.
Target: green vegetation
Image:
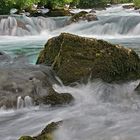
x: 120, y: 1
x: 99, y: 3
x: 92, y: 3
x: 54, y: 4
x: 6, y: 5
x: 137, y: 3
x: 46, y: 134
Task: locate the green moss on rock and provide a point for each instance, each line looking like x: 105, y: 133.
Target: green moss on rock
x: 73, y: 58
x: 46, y: 134
x: 58, y: 99
x: 54, y: 98
x: 26, y: 138
x: 78, y: 15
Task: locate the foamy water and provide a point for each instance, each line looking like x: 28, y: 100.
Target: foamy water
x: 101, y: 111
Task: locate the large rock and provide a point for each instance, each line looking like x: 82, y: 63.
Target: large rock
x: 46, y: 134
x: 82, y: 16
x: 73, y: 57
x: 25, y: 85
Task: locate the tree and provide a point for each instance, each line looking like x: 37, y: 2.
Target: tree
x: 6, y: 5
x: 52, y: 4
x: 92, y: 3
x: 23, y: 4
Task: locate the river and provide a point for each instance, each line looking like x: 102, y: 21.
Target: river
x: 101, y: 111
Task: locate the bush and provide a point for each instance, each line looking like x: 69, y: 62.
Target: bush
x: 137, y: 3
x: 92, y: 3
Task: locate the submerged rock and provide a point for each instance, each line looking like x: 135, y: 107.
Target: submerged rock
x: 130, y: 6
x: 137, y: 8
x: 73, y: 58
x: 26, y: 85
x: 92, y: 11
x: 82, y: 16
x: 4, y: 57
x: 57, y: 99
x: 46, y: 134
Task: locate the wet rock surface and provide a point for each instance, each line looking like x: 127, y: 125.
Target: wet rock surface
x: 128, y: 6
x: 46, y: 134
x: 74, y: 58
x: 20, y: 83
x: 58, y: 12
x: 4, y: 57
x: 82, y: 16
x: 54, y: 98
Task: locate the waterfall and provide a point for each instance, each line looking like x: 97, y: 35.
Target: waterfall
x: 22, y: 25
x: 24, y: 102
x: 111, y: 25
x: 107, y: 26
x: 20, y: 102
x: 28, y: 101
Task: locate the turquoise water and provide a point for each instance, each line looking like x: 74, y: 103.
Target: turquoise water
x: 27, y: 47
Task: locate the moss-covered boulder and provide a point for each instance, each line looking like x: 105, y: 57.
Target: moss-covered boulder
x: 82, y: 16
x: 46, y: 134
x: 73, y: 57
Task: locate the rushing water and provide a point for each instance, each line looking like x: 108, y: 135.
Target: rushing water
x: 101, y: 111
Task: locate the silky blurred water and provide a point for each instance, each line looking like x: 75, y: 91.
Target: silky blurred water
x: 101, y: 111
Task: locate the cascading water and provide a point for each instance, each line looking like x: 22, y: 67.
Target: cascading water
x: 24, y: 102
x: 93, y: 115
x: 20, y: 103
x: 101, y: 111
x: 22, y: 25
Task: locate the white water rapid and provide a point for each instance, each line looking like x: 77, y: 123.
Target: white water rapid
x: 21, y: 25
x: 101, y: 111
